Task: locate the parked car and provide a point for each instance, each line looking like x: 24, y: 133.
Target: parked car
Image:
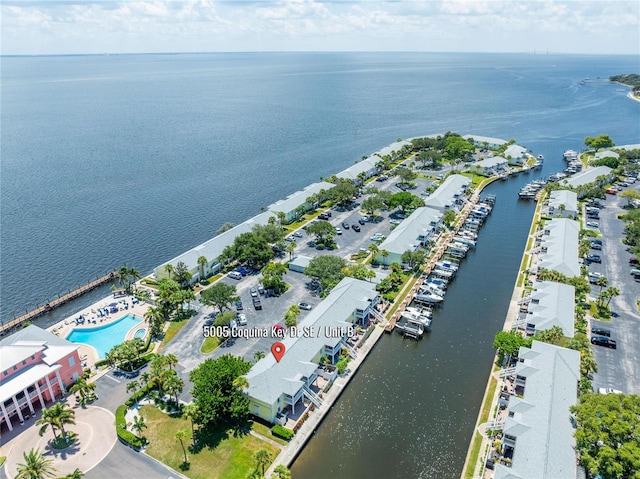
x: 345, y: 225
x: 254, y: 292
x: 338, y: 231
x: 297, y: 234
x: 608, y: 391
x: 257, y: 303
x: 633, y: 260
x: 592, y: 224
x: 260, y: 290
x: 305, y: 306
x: 242, y: 319
x: 601, y: 332
x: 323, y: 216
x: 239, y: 306
x: 364, y: 219
x: 611, y: 191
x: 635, y: 272
x: 597, y: 246
x: 356, y: 228
x: 603, y: 341
x: 596, y: 240
x: 234, y: 275
x: 594, y: 258
x: 594, y: 277
x: 242, y: 270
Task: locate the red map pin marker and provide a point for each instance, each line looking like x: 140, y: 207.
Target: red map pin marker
x: 278, y: 349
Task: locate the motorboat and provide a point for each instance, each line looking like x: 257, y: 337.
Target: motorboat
x: 428, y: 298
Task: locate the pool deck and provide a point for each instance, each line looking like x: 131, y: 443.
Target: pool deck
x: 88, y: 354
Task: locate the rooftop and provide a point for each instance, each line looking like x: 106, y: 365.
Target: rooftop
x: 552, y: 304
x: 588, y: 176
x: 491, y: 162
x: 406, y: 236
x: 561, y: 247
x: 541, y: 421
x: 299, y: 198
x: 567, y: 198
x: 446, y: 194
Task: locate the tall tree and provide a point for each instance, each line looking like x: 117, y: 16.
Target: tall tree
x: 84, y: 388
x: 192, y: 411
x: 180, y: 436
x: 220, y: 295
x: 214, y: 389
x: 328, y: 269
x: 182, y: 274
x: 263, y: 458
x: 138, y: 425
x: 202, y: 262
x: 35, y: 466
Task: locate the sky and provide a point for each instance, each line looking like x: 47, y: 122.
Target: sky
x: 139, y: 26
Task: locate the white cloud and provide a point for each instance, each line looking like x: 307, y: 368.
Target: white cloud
x: 205, y: 25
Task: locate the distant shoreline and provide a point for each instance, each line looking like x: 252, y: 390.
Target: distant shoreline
x: 630, y: 94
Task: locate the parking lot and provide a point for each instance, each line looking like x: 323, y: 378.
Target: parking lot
x: 186, y: 344
x: 617, y: 368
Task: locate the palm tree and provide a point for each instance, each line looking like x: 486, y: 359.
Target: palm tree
x: 373, y: 248
x: 258, y: 355
x: 282, y: 472
x: 192, y: 411
x: 169, y: 269
x: 145, y: 378
x: 84, y: 388
x: 133, y: 386
x: 63, y: 414
x: 282, y: 217
x: 291, y: 247
x: 241, y: 383
x: 611, y: 292
x: 35, y: 466
x: 263, y: 458
x: 180, y: 435
x: 138, y: 425
x: 384, y: 253
x: 171, y: 360
x: 603, y: 282
x: 202, y: 261
x: 172, y: 384
x: 47, y: 419
x: 134, y: 276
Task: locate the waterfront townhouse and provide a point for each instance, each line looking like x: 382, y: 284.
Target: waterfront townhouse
x: 489, y: 166
x: 295, y: 205
x: 212, y: 249
x: 558, y: 246
x: 605, y: 154
x: 563, y: 203
x: 538, y: 433
x: 549, y: 304
x: 589, y: 175
x: 485, y: 141
x: 361, y: 171
x: 393, y: 149
x: 280, y: 389
x: 516, y: 155
x: 37, y: 366
x: 449, y: 194
x: 414, y: 232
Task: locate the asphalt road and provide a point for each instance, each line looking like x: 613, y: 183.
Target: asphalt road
x: 618, y: 368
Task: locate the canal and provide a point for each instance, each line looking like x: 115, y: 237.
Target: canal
x: 410, y: 410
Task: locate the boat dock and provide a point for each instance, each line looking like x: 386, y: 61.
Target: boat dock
x: 51, y: 305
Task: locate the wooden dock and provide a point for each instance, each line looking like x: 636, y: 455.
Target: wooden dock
x: 51, y: 305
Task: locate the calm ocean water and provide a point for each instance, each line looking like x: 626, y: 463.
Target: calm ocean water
x: 133, y: 159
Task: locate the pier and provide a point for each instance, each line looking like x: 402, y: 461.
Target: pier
x: 51, y: 305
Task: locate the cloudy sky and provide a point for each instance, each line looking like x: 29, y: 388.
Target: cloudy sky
x: 131, y: 26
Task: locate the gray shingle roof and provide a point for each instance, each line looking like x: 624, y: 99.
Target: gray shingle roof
x: 491, y: 162
x: 552, y: 304
x: 541, y: 422
x: 561, y: 247
x: 446, y: 194
x: 406, y: 235
x: 564, y: 197
x: 299, y: 198
x: 588, y: 176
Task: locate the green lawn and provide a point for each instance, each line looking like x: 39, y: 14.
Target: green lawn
x: 477, y: 438
x: 266, y: 432
x: 209, y: 345
x: 225, y: 453
x: 174, y: 327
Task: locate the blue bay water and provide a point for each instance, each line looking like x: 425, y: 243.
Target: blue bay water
x: 133, y: 159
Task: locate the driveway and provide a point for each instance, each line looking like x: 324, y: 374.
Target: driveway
x: 618, y: 368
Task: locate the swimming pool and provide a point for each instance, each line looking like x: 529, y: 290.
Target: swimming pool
x: 103, y: 338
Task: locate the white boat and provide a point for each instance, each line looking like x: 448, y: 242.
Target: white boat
x: 424, y: 311
x: 430, y: 288
x: 447, y: 266
x: 464, y: 240
x: 416, y: 318
x: 428, y: 298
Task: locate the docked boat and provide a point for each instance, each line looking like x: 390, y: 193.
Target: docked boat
x: 417, y: 319
x: 428, y: 298
x: 464, y: 240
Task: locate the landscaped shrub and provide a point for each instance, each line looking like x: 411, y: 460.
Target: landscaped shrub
x: 141, y: 393
x: 281, y: 431
x: 125, y: 436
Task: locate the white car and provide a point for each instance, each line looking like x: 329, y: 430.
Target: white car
x: 235, y: 275
x: 297, y: 234
x: 242, y: 319
x: 592, y: 224
x: 338, y: 231
x: 608, y: 391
